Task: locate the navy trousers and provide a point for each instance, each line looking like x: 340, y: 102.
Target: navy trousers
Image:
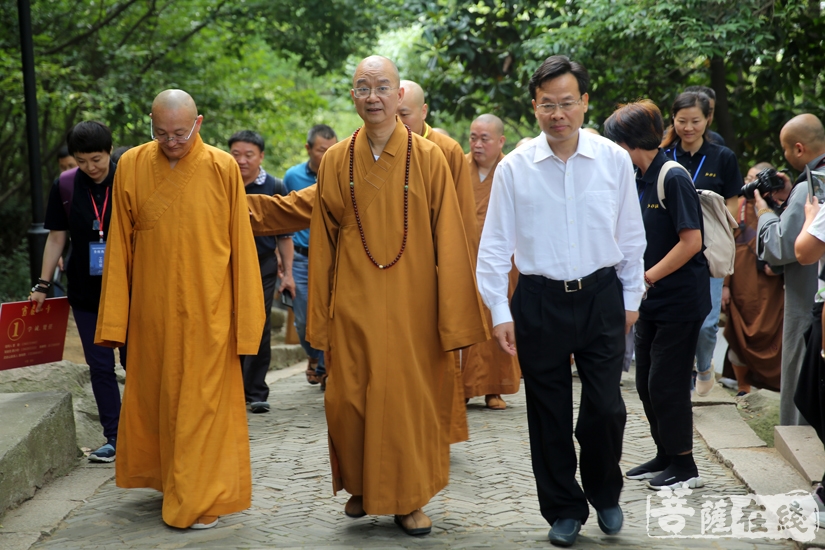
x: 101, y: 361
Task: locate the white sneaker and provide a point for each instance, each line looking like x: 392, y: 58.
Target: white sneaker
x: 703, y: 387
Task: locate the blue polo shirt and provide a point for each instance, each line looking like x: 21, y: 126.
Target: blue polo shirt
x: 296, y: 178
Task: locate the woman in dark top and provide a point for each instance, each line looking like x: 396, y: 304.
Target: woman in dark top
x: 89, y: 208
x: 677, y: 299
x: 711, y: 167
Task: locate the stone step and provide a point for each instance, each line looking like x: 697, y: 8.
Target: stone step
x: 717, y: 396
x: 37, y: 443
x: 722, y: 427
x: 285, y: 355
x: 801, y: 447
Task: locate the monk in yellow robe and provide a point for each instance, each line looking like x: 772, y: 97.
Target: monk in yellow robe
x: 412, y: 110
x: 181, y: 283
x: 391, y: 293
x: 487, y: 370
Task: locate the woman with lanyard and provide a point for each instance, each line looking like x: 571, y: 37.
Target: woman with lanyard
x: 677, y: 298
x: 85, y: 220
x: 711, y: 167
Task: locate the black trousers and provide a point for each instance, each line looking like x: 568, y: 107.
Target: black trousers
x: 255, y: 367
x: 664, y: 369
x: 551, y: 324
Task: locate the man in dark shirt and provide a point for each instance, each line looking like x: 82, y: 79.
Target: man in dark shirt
x: 247, y: 148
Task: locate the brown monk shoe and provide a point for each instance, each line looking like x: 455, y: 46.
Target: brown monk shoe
x: 415, y: 523
x: 354, y: 507
x: 495, y: 402
x: 312, y: 378
x: 205, y: 522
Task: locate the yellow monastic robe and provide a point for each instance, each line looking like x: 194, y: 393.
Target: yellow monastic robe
x: 487, y: 369
x: 388, y: 331
x: 460, y: 171
x: 181, y: 283
x: 276, y: 215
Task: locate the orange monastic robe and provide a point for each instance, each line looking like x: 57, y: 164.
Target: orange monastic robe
x: 460, y: 171
x: 487, y: 368
x: 390, y: 387
x: 181, y: 283
x: 277, y: 215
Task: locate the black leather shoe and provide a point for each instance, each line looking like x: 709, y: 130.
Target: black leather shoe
x: 564, y: 532
x: 610, y: 520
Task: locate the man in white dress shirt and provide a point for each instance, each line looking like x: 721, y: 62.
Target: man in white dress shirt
x: 566, y: 206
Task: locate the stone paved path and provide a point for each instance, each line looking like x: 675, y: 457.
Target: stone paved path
x: 489, y: 503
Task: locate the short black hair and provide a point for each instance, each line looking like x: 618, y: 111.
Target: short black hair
x: 638, y: 125
x: 708, y: 91
x: 556, y: 66
x: 63, y: 152
x: 117, y: 153
x: 248, y: 136
x: 320, y: 130
x: 89, y: 136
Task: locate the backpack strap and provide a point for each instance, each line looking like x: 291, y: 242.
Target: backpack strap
x: 660, y: 184
x: 66, y: 187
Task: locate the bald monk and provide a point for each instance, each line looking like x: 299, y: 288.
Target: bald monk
x: 412, y: 110
x: 487, y: 370
x: 181, y: 283
x: 803, y: 142
x: 391, y: 293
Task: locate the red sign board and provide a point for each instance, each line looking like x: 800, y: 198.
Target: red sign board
x: 30, y: 338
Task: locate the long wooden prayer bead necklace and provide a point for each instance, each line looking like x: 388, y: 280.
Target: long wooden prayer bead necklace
x: 406, y: 200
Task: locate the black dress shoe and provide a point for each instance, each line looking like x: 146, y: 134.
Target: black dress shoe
x: 564, y: 532
x: 610, y: 520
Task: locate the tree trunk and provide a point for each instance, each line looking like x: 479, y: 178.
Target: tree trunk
x: 724, y: 121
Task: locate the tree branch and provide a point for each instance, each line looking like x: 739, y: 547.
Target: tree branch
x: 154, y: 59
x: 96, y: 27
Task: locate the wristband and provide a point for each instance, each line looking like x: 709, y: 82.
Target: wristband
x: 648, y: 282
x: 44, y: 282
x: 39, y: 288
x: 763, y: 211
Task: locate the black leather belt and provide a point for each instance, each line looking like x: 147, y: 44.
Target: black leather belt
x: 573, y: 285
x: 302, y: 250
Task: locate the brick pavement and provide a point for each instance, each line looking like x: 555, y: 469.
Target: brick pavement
x: 489, y: 503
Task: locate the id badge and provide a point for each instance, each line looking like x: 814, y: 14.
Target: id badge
x: 96, y: 253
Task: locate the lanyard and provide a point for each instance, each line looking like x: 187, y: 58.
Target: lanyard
x: 100, y: 216
x: 701, y: 162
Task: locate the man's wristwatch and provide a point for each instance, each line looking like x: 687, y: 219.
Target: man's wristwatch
x: 763, y: 211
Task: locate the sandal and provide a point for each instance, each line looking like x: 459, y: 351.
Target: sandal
x: 312, y: 378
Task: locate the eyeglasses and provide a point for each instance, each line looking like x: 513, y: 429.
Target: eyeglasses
x: 167, y: 139
x: 483, y: 139
x: 550, y: 108
x: 380, y: 91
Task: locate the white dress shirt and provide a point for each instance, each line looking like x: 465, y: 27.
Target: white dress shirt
x: 562, y: 221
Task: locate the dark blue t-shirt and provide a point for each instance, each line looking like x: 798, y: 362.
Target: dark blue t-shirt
x: 712, y: 167
x: 684, y: 295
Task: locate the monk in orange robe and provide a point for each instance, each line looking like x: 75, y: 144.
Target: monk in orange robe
x: 488, y: 371
x: 391, y: 293
x: 413, y: 112
x: 181, y: 283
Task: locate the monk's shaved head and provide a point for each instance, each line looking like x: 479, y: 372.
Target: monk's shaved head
x: 175, y: 100
x: 492, y: 121
x: 379, y: 64
x: 175, y: 123
x: 411, y: 109
x: 803, y: 140
x: 413, y: 94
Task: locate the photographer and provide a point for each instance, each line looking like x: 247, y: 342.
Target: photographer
x: 753, y: 296
x: 803, y: 143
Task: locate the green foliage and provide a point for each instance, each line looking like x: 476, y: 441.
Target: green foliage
x: 266, y: 65
x: 764, y: 59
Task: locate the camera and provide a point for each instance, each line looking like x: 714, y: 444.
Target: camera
x: 767, y: 181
